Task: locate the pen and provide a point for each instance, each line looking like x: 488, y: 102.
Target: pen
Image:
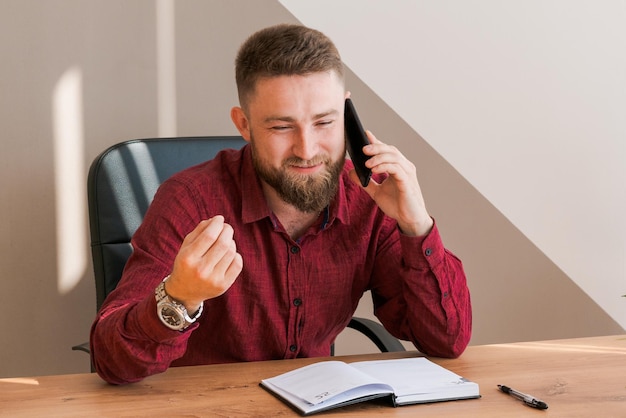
x: 527, y: 399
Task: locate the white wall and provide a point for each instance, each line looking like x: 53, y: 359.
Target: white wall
x: 525, y: 99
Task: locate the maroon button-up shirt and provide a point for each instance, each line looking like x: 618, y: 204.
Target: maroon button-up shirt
x: 292, y: 298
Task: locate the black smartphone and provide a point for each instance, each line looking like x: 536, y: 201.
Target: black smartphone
x: 355, y: 141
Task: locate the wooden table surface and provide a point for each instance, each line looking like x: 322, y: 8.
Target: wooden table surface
x: 584, y: 377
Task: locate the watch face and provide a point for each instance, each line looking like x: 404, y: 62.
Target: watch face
x: 171, y: 317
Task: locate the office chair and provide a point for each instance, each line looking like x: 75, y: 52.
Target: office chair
x: 121, y: 184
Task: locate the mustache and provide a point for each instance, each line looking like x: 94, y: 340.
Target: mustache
x: 299, y: 162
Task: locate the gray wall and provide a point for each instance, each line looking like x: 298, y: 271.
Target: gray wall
x: 78, y: 76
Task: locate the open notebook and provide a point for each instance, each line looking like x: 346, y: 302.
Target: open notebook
x: 332, y: 384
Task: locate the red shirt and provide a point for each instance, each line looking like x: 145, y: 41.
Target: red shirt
x: 292, y: 299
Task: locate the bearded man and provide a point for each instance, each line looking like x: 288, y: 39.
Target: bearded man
x: 268, y: 249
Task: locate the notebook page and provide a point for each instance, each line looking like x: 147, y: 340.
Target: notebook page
x: 321, y: 381
x: 412, y: 375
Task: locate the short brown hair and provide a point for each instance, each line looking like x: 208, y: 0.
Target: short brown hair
x: 284, y: 49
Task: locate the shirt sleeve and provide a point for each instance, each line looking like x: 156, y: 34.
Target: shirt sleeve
x: 428, y: 301
x: 128, y: 341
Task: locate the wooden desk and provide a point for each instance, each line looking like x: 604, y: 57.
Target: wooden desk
x: 583, y: 377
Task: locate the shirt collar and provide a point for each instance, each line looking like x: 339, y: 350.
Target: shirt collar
x: 254, y: 207
x: 339, y: 206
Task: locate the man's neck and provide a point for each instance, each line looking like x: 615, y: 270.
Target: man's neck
x: 292, y: 219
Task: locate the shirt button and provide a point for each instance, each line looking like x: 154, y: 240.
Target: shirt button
x: 428, y: 252
x: 295, y: 250
x: 293, y: 348
x: 297, y: 302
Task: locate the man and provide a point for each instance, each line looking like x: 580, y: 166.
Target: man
x: 266, y: 251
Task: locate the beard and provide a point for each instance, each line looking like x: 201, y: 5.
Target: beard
x: 307, y: 193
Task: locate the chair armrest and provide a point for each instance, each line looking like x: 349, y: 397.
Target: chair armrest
x: 82, y: 347
x: 377, y: 334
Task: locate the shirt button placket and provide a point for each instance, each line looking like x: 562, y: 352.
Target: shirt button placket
x: 297, y: 302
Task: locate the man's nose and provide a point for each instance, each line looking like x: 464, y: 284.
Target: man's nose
x: 305, y: 145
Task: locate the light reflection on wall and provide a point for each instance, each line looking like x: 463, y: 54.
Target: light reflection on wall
x: 67, y: 112
x: 166, y: 67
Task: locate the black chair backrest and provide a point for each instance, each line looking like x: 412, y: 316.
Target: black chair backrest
x: 121, y: 184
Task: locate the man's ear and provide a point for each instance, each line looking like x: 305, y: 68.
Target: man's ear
x: 241, y: 122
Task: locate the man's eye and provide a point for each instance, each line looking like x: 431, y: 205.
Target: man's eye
x: 280, y: 128
x: 325, y: 122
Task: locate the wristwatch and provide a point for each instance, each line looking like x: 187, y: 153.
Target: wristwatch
x: 172, y: 313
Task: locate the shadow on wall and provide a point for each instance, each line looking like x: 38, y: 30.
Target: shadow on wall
x: 518, y: 293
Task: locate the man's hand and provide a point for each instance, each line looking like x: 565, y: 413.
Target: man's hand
x: 399, y: 196
x: 206, y: 266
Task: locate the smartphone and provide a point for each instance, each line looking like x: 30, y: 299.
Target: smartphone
x: 355, y: 141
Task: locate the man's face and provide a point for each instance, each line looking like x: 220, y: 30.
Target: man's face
x: 295, y: 127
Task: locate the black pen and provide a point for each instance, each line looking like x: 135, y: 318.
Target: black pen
x: 527, y: 399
